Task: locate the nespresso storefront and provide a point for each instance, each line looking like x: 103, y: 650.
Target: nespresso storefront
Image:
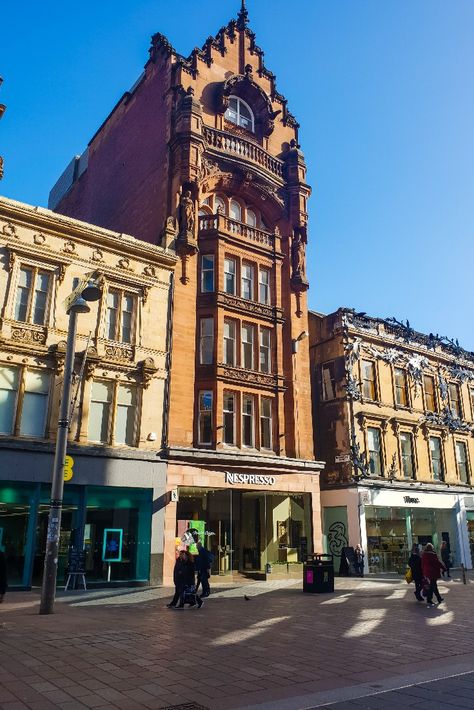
x: 256, y: 525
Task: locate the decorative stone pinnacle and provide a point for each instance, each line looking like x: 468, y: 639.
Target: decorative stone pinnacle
x: 242, y: 17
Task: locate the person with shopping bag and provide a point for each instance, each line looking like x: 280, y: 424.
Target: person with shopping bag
x: 431, y: 567
x: 414, y: 570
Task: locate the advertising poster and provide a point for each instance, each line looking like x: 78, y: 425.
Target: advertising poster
x: 112, y: 547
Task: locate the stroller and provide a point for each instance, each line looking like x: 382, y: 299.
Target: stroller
x: 190, y: 597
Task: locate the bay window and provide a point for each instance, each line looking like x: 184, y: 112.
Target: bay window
x: 229, y: 418
x: 206, y: 341
x: 248, y: 434
x: 247, y: 358
x: 247, y: 282
x: 229, y: 342
x: 205, y: 417
x: 266, y: 423
x: 265, y: 350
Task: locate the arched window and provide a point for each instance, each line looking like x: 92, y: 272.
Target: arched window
x: 219, y: 204
x: 251, y: 218
x: 240, y: 113
x: 235, y: 210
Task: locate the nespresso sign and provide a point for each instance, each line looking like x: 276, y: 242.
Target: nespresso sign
x: 249, y: 479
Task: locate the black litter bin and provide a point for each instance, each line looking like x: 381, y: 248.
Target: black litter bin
x: 318, y: 574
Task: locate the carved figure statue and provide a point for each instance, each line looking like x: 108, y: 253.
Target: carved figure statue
x: 297, y: 258
x: 186, y: 217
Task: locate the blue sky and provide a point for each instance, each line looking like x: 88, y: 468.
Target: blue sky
x: 384, y: 92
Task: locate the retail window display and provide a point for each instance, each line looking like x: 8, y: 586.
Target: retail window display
x: 470, y: 532
x: 248, y: 532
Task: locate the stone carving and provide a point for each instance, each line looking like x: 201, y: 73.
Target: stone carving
x: 352, y: 387
x: 149, y: 271
x: 168, y: 233
x: 27, y: 335
x: 97, y: 255
x: 186, y: 217
x: 117, y: 352
x: 39, y: 238
x: 145, y: 292
x: 448, y: 419
x: 248, y: 376
x: 208, y: 169
x: 147, y: 370
x: 69, y: 247
x: 124, y: 263
x: 61, y: 272
x: 9, y: 230
x: 298, y: 256
x: 242, y: 305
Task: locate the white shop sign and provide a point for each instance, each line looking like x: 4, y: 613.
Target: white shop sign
x: 249, y: 479
x: 405, y: 499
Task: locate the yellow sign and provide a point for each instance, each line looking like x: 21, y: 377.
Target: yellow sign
x: 68, y: 464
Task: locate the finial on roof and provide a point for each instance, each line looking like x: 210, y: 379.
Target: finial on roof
x: 243, y: 17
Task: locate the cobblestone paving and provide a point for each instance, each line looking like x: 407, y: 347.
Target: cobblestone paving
x: 280, y: 648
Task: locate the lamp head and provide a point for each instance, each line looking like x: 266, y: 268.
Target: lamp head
x: 92, y: 291
x: 79, y: 306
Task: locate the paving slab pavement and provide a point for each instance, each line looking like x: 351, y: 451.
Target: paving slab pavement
x: 281, y: 649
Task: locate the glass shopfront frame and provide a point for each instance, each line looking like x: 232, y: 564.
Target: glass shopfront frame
x: 391, y: 532
x: 87, y: 512
x: 250, y: 532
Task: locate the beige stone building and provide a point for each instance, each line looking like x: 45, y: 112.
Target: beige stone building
x: 115, y: 480
x: 393, y: 413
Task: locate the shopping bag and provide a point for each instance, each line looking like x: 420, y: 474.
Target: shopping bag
x: 426, y: 587
x: 408, y: 576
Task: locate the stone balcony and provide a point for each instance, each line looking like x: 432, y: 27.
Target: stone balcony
x: 219, y: 222
x: 244, y: 150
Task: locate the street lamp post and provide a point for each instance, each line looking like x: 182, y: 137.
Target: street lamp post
x: 75, y: 304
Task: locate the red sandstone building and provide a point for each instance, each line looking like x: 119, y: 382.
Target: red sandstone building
x: 202, y: 156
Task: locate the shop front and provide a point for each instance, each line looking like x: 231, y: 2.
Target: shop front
x: 388, y: 521
x: 92, y: 515
x: 255, y: 525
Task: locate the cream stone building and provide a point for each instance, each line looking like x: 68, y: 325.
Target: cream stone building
x: 394, y: 420
x: 115, y: 479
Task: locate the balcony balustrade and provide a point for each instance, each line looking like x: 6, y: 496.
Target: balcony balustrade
x: 244, y: 149
x: 220, y: 222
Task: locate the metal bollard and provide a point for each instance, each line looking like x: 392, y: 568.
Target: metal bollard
x: 463, y: 573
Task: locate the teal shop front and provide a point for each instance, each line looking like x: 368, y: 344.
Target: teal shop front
x: 88, y: 511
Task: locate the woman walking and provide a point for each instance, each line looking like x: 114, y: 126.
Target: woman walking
x: 431, y: 567
x: 414, y: 564
x: 3, y: 575
x: 184, y: 577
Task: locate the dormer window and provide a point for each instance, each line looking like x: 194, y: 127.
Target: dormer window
x: 240, y: 113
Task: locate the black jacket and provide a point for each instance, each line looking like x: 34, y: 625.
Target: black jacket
x: 184, y: 573
x: 414, y: 564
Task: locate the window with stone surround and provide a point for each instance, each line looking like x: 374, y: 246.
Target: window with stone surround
x: 264, y: 286
x: 462, y: 462
x: 205, y: 417
x: 401, y: 387
x: 207, y: 273
x: 328, y: 381
x: 229, y: 411
x: 369, y: 383
x: 436, y: 456
x: 248, y: 420
x: 113, y: 413
x: 230, y: 271
x: 206, y: 341
x: 375, y: 451
x: 230, y: 330
x: 32, y: 295
x: 455, y: 399
x: 429, y: 388
x: 248, y: 345
x: 266, y: 405
x: 240, y: 113
x: 24, y: 401
x: 408, y: 462
x: 120, y: 316
x: 247, y: 281
x: 265, y: 349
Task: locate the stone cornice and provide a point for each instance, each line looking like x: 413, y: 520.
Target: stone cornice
x: 247, y: 461
x: 60, y: 225
x: 249, y: 308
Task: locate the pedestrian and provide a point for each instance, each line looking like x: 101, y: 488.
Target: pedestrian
x: 203, y: 564
x: 3, y: 575
x: 414, y: 564
x: 359, y: 560
x: 431, y: 567
x: 445, y: 557
x: 184, y: 579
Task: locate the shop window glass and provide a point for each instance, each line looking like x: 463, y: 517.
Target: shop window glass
x: 387, y: 539
x: 17, y: 501
x: 207, y: 273
x: 430, y: 394
x: 266, y: 423
x: 401, y: 393
x: 125, y: 418
x: 369, y: 389
x: 248, y: 438
x: 406, y: 442
x: 454, y: 399
x: 229, y: 342
x: 247, y: 346
x: 99, y: 411
x: 35, y: 403
x: 328, y: 381
x: 205, y: 417
x: 229, y: 418
x: 461, y: 461
x: 265, y: 339
x: 247, y: 282
x: 9, y: 380
x: 264, y: 286
x: 375, y: 451
x: 206, y: 344
x: 229, y: 275
x: 436, y: 458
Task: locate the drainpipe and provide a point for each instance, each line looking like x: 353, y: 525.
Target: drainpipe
x: 169, y: 345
